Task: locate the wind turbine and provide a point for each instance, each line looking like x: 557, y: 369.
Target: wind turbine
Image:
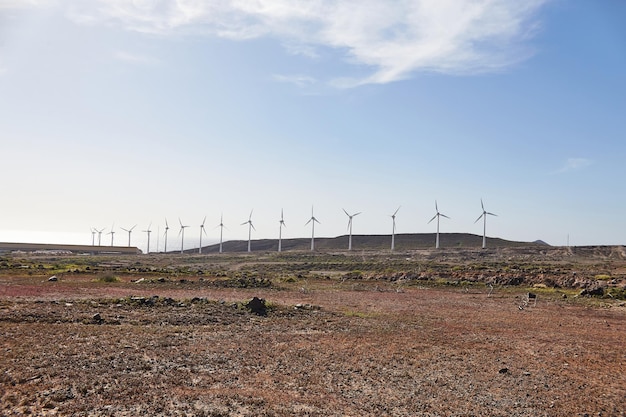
x: 167, y: 227
x: 312, y: 220
x: 202, y: 231
x: 280, y: 231
x: 250, y: 227
x: 437, y: 215
x: 350, y: 227
x: 112, y: 233
x: 484, y: 215
x: 393, y: 229
x: 99, y: 235
x: 182, y: 238
x: 129, y: 232
x: 148, y: 231
x: 93, y: 236
x: 221, y: 226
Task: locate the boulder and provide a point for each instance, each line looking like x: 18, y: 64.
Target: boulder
x: 594, y: 291
x: 257, y: 306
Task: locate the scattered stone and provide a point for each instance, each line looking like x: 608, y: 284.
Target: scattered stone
x: 503, y: 371
x: 590, y: 292
x: 97, y: 319
x: 139, y: 280
x: 53, y: 278
x: 564, y: 296
x: 257, y: 306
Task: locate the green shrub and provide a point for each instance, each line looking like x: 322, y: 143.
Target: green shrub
x: 108, y: 278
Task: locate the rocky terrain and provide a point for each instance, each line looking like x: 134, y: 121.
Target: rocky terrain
x: 448, y: 333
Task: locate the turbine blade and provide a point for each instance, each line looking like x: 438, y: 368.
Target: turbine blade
x: 491, y: 214
x: 344, y: 210
x: 434, y: 217
x: 167, y: 226
x: 203, y: 221
x: 397, y: 210
x: 254, y: 228
x: 479, y: 217
x: 444, y: 216
x: 308, y: 221
x: 356, y: 214
x: 481, y: 204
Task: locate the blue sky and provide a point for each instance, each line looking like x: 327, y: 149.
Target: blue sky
x: 130, y: 112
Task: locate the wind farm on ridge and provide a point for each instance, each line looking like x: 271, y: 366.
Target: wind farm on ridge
x: 359, y: 241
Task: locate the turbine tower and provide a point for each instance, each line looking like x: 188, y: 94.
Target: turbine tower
x: 93, y: 236
x: 129, y: 232
x: 393, y: 229
x: 484, y: 215
x: 112, y: 233
x: 437, y: 215
x: 201, y: 232
x: 350, y: 227
x: 280, y: 231
x: 312, y: 220
x: 148, y: 231
x: 99, y: 235
x: 182, y: 238
x: 167, y: 227
x: 250, y: 227
x: 221, y: 226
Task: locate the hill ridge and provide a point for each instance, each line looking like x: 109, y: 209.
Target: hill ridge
x: 403, y: 241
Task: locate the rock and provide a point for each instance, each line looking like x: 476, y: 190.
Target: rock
x: 53, y: 278
x: 257, y: 306
x: 594, y: 291
x: 97, y: 318
x: 503, y: 371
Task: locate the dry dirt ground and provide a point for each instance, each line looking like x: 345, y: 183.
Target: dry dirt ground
x: 86, y: 345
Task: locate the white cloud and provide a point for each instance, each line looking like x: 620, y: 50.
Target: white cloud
x: 298, y: 80
x: 573, y: 164
x: 134, y: 58
x: 395, y: 38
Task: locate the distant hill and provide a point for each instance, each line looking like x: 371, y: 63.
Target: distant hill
x: 406, y: 241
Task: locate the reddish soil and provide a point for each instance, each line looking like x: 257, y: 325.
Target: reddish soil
x: 327, y: 347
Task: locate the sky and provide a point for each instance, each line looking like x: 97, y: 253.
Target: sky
x: 116, y: 113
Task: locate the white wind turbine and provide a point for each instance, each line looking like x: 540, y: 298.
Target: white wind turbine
x: 437, y: 215
x: 99, y: 235
x: 350, y: 227
x: 129, y: 232
x: 112, y: 233
x: 221, y: 226
x: 148, y: 231
x: 280, y: 231
x: 250, y: 227
x: 484, y: 215
x: 312, y: 220
x: 167, y: 227
x: 182, y: 238
x: 93, y: 236
x: 393, y: 229
x: 201, y: 232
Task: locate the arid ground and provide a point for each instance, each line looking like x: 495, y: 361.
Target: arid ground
x: 424, y: 333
